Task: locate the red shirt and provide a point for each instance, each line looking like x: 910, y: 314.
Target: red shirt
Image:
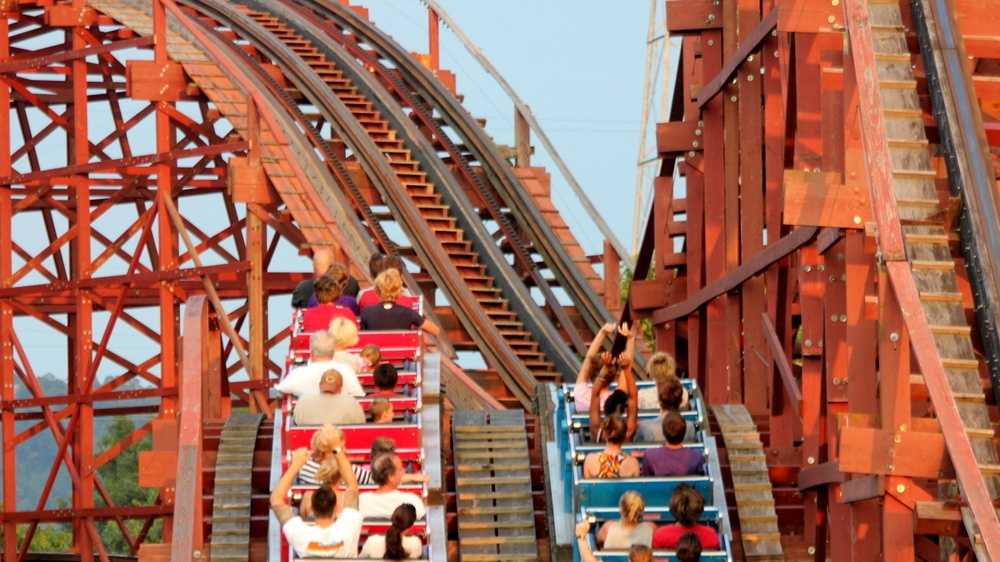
x: 319, y: 317
x: 368, y: 297
x: 384, y: 393
x: 668, y: 536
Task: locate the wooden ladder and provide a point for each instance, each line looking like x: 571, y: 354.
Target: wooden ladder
x: 927, y: 287
x: 493, y: 480
x: 751, y: 484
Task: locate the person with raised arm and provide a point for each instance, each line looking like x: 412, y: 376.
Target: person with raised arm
x: 329, y: 535
x: 594, y: 364
x: 620, y: 368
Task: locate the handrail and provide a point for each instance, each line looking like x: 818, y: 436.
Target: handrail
x: 525, y: 111
x: 273, y: 527
x: 187, y: 523
x: 430, y: 442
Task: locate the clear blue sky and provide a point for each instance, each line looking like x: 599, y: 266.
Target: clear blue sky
x: 579, y: 65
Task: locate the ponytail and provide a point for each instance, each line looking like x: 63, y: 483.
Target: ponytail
x: 402, y: 519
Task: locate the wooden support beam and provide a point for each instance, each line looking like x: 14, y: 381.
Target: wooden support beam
x: 915, y: 454
x: 820, y: 199
x: 772, y: 253
x: 693, y: 15
x: 678, y: 137
x: 792, y: 393
x: 746, y: 48
x: 939, y: 518
x: 810, y: 16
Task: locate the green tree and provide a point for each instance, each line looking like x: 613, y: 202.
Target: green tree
x: 121, y: 477
x: 625, y: 288
x: 53, y: 538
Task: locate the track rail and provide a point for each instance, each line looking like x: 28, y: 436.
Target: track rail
x: 387, y: 174
x: 572, y: 275
x: 422, y: 113
x: 914, y: 239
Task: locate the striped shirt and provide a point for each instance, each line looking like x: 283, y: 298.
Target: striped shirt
x: 307, y: 475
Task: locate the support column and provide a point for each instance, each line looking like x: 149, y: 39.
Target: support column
x: 6, y: 314
x: 434, y: 39
x: 895, y: 410
x: 256, y: 254
x: 167, y: 254
x: 80, y: 378
x: 522, y: 141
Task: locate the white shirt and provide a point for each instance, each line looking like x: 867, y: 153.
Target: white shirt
x: 375, y: 547
x: 350, y: 358
x: 339, y: 540
x: 380, y: 506
x: 304, y: 380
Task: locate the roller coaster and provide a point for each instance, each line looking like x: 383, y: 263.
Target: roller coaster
x: 820, y: 256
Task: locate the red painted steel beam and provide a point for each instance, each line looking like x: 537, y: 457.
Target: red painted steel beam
x: 70, y: 514
x: 6, y: 313
x: 132, y: 165
x: 20, y: 64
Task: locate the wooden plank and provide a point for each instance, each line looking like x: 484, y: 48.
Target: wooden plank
x: 693, y: 15
x: 813, y: 16
x: 678, y: 137
x: 771, y: 254
x: 819, y: 199
x: 751, y: 31
x: 874, y: 451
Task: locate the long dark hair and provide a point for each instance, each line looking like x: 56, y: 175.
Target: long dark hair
x: 402, y: 519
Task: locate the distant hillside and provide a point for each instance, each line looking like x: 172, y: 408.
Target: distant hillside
x: 35, y: 456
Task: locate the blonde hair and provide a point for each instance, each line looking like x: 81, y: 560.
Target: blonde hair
x: 661, y: 367
x: 631, y: 506
x: 344, y: 333
x: 322, y: 446
x: 389, y: 285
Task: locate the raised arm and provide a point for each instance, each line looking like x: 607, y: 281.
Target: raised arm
x: 586, y: 555
x: 350, y: 481
x: 627, y: 380
x: 595, y: 347
x: 281, y: 509
x: 595, y: 405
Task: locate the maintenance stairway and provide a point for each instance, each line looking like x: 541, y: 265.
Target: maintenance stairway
x: 493, y: 482
x: 423, y: 194
x: 926, y: 220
